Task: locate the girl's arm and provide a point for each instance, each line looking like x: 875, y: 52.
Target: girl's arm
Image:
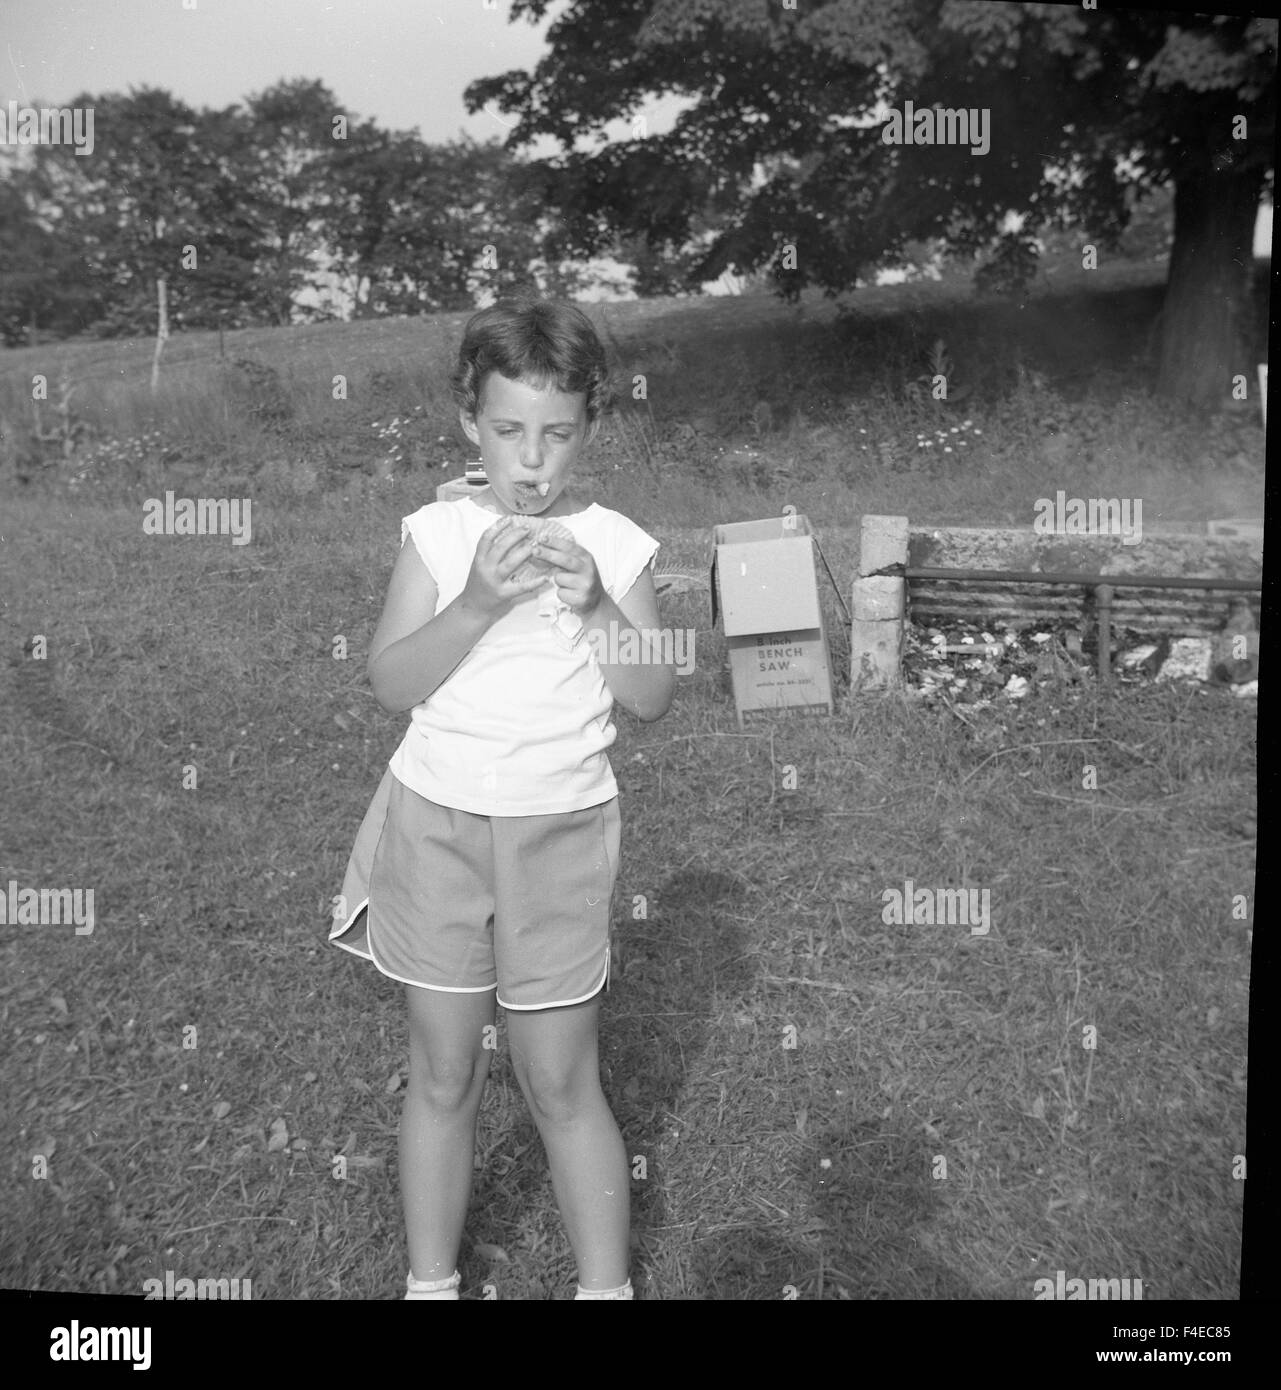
x: 645, y: 688
x: 414, y: 652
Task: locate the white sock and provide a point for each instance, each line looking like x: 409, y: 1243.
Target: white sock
x: 624, y: 1292
x: 434, y: 1288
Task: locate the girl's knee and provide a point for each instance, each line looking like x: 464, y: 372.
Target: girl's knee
x: 448, y: 1084
x: 559, y: 1097
x: 448, y: 1057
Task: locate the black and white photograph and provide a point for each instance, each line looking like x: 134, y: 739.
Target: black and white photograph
x: 809, y: 452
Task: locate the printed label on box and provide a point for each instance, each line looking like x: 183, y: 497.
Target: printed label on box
x: 765, y: 594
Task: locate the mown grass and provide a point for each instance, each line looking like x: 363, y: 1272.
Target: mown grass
x: 789, y: 1068
x: 786, y: 1067
x: 726, y: 406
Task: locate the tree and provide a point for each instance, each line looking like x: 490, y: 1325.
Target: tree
x: 291, y: 132
x: 45, y: 287
x: 787, y: 123
x: 225, y: 218
x: 226, y: 207
x: 158, y: 200
x: 420, y: 228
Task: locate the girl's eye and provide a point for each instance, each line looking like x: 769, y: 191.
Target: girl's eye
x: 511, y: 434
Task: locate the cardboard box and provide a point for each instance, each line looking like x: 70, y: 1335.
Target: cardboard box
x: 765, y: 587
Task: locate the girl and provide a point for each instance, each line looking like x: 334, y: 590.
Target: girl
x: 485, y: 865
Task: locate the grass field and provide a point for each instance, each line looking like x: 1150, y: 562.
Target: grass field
x: 816, y: 1101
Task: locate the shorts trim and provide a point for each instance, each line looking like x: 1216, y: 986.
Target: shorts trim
x: 338, y: 932
x: 351, y: 921
x: 351, y: 950
x: 602, y: 983
x: 417, y: 984
x: 438, y: 989
x: 562, y: 1003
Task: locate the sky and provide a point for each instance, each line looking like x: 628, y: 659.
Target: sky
x: 404, y: 63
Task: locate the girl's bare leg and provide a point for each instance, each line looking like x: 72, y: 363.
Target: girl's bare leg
x: 554, y: 1055
x: 448, y: 1064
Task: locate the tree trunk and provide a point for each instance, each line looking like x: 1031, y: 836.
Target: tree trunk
x: 1205, y: 318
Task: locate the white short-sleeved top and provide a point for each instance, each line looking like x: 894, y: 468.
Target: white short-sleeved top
x: 520, y: 727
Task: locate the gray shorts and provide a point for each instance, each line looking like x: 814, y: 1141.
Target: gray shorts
x: 453, y: 901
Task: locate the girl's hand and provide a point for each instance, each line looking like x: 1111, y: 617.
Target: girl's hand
x: 577, y: 578
x: 501, y: 551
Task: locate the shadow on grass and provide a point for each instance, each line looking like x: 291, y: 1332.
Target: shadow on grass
x: 692, y: 961
x: 652, y: 1053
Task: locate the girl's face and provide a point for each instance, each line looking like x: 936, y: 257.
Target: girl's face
x: 529, y: 439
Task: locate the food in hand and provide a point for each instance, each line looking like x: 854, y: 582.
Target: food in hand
x: 539, y: 528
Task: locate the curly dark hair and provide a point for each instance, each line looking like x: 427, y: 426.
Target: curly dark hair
x: 544, y: 342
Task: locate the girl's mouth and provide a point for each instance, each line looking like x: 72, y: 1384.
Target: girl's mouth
x: 532, y: 492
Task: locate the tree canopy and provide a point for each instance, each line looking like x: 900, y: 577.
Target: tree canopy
x: 784, y: 138
x: 286, y: 206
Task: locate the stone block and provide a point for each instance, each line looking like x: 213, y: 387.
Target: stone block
x: 883, y: 543
x: 876, y: 653
x: 879, y: 598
